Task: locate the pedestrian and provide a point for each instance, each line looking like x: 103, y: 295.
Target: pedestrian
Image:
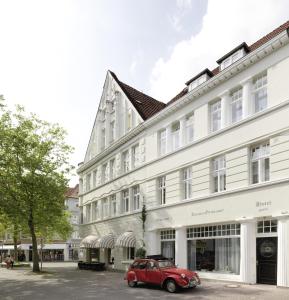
x: 8, y: 262
x: 12, y: 262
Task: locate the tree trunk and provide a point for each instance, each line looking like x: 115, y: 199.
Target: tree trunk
x: 35, y: 257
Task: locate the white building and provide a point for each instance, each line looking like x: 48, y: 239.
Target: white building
x: 212, y: 167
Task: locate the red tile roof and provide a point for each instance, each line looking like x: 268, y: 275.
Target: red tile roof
x: 251, y: 48
x: 72, y: 192
x: 144, y: 104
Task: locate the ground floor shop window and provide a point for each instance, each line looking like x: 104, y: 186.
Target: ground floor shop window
x: 220, y: 255
x: 168, y: 249
x: 94, y: 254
x: 130, y: 253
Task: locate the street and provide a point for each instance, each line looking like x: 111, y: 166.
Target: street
x: 64, y: 281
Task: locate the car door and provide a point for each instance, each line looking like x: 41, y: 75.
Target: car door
x: 153, y: 273
x: 140, y: 271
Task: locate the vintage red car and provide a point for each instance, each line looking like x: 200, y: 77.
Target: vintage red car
x: 161, y: 272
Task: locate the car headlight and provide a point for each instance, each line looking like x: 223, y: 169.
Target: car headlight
x: 183, y: 275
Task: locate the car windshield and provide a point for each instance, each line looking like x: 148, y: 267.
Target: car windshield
x: 166, y: 264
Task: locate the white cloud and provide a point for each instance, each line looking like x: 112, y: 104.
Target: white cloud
x: 226, y: 24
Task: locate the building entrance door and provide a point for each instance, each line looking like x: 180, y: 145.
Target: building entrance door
x: 267, y: 260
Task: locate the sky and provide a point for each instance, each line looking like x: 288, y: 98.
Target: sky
x: 54, y: 54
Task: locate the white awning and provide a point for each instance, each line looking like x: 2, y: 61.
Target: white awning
x: 7, y: 247
x: 107, y: 241
x: 126, y: 239
x: 53, y: 246
x: 90, y: 241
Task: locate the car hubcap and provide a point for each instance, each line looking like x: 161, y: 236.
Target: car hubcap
x: 171, y: 286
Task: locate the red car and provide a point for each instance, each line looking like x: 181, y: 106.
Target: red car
x: 161, y: 272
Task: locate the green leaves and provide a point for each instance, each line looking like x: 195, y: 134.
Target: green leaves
x: 34, y: 172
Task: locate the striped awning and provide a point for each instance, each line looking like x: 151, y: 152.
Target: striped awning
x: 90, y: 241
x: 126, y: 239
x: 107, y: 241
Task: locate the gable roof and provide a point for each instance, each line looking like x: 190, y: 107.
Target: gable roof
x: 72, y: 192
x: 250, y: 48
x: 145, y: 105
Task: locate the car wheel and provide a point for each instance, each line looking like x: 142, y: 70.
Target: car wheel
x: 131, y: 283
x: 171, y: 286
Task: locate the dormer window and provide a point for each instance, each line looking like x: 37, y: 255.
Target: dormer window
x: 199, y: 79
x: 233, y: 56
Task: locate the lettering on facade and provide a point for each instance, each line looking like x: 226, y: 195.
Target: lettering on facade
x: 207, y: 212
x: 263, y: 205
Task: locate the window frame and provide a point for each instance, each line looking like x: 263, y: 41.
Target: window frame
x: 125, y: 161
x: 214, y: 112
x: 264, y: 154
x: 125, y: 205
x: 162, y: 190
x: 175, y: 135
x: 136, y: 197
x: 261, y: 78
x: 187, y: 181
x: 236, y: 99
x: 135, y: 155
x: 163, y: 142
x: 219, y: 170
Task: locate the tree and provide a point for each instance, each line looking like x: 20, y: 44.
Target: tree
x: 33, y: 172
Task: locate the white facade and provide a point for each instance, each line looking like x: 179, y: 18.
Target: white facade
x: 215, y: 187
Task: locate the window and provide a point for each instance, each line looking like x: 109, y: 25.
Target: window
x: 125, y: 201
x: 112, y: 169
x: 104, y: 175
x: 135, y: 156
x: 198, y: 82
x: 168, y: 243
x: 187, y: 183
x: 112, y: 106
x: 125, y: 161
x: 231, y: 59
x: 260, y: 93
x: 175, y: 135
x: 129, y: 119
x: 103, y: 138
x: 162, y: 190
x: 219, y: 174
x: 136, y: 197
x: 267, y: 226
x: 112, y: 131
x: 88, y: 179
x: 236, y: 106
x: 105, y: 208
x: 163, y: 142
x: 260, y: 163
x: 96, y: 212
x: 214, y: 248
x: 216, y: 116
x: 113, y: 205
x: 189, y: 128
x: 88, y: 212
x: 94, y: 178
x: 130, y: 253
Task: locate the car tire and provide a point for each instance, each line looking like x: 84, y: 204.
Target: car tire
x: 171, y: 286
x: 131, y: 283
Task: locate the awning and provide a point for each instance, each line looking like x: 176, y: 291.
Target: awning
x: 126, y: 239
x: 107, y: 241
x: 90, y: 241
x: 7, y: 247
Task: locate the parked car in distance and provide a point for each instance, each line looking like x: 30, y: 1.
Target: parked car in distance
x: 161, y: 271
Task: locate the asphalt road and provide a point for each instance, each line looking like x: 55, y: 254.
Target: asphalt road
x: 63, y: 281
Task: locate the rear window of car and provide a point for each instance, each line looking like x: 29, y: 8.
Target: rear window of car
x: 139, y: 265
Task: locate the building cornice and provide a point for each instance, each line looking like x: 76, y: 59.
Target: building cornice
x: 242, y: 64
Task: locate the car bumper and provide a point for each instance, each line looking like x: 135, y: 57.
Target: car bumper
x: 192, y: 283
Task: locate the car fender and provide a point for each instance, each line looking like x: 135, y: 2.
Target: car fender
x: 131, y: 276
x: 179, y: 281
